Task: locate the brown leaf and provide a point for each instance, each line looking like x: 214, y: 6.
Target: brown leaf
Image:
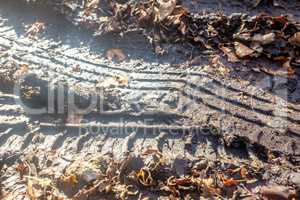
x: 143, y: 18
x: 243, y: 172
x: 85, y: 193
x: 116, y: 55
x: 91, y: 5
x: 264, y: 39
x: 242, y: 50
x: 35, y: 29
x: 76, y: 68
x: 31, y: 191
x: 144, y: 177
x: 70, y: 180
x: 285, y: 71
x: 122, y: 80
x: 295, y: 39
x: 230, y: 54
x: 21, y: 168
x: 36, y: 187
x: 115, y: 81
x: 230, y: 182
x: 164, y: 9
x: 172, y: 181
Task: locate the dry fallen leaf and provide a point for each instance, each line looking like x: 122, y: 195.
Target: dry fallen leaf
x: 164, y: 9
x: 70, y: 180
x: 122, y: 80
x: 76, y: 68
x: 36, y: 187
x: 208, y: 187
x: 295, y: 39
x: 35, y: 29
x: 21, y: 168
x: 219, y: 67
x: 264, y: 39
x: 144, y: 177
x: 230, y: 54
x: 230, y: 182
x: 242, y: 50
x: 116, y: 55
x: 91, y: 5
x: 115, y: 81
x: 31, y: 191
x: 244, y: 172
x: 285, y: 71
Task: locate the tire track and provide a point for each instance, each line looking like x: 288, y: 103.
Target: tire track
x: 150, y: 86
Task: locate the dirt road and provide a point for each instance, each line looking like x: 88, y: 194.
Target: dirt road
x: 149, y: 101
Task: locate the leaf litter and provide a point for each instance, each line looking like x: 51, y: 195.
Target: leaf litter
x: 239, y: 36
x: 149, y: 174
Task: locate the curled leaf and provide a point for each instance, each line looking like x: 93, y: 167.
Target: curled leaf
x: 230, y: 182
x: 116, y: 55
x: 144, y: 177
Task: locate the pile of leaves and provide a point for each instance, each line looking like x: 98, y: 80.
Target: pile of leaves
x: 238, y: 36
x: 148, y: 175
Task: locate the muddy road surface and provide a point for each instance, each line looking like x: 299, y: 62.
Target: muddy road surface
x: 184, y: 106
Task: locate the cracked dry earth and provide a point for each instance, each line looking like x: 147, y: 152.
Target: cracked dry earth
x: 166, y: 131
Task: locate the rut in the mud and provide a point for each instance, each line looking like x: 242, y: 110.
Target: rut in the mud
x: 212, y: 129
